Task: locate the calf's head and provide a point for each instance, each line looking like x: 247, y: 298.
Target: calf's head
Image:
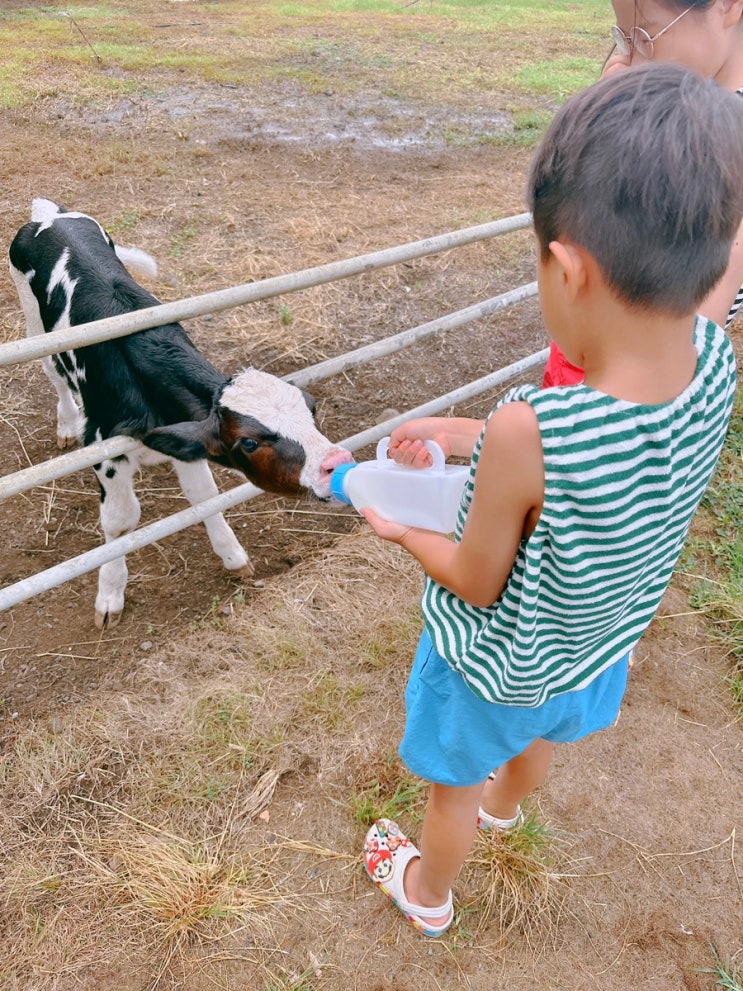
x: 262, y: 427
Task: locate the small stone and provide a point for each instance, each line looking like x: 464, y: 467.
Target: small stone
x: 146, y: 645
x: 387, y: 414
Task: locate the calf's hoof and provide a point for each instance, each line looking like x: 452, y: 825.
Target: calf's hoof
x: 65, y: 442
x: 107, y: 620
x: 245, y: 572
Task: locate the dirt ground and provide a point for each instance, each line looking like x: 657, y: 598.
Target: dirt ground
x: 222, y: 187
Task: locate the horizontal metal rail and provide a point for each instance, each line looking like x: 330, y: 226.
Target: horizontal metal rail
x: 65, y: 464
x: 380, y: 348
x: 453, y: 398
x: 224, y: 299
x: 92, y: 559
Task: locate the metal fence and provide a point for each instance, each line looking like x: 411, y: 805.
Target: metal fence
x: 28, y: 349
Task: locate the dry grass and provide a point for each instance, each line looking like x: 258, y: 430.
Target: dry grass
x: 200, y: 826
x: 516, y: 881
x: 157, y: 825
x: 140, y: 829
x: 132, y: 889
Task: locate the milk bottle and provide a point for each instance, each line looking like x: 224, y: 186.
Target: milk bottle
x: 422, y: 497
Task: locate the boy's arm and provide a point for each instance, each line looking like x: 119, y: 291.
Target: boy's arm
x: 507, y: 500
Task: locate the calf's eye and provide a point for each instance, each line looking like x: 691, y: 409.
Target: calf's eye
x: 248, y: 444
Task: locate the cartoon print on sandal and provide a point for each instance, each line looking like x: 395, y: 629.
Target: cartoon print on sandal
x: 387, y: 853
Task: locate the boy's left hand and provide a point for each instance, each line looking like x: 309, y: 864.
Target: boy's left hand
x: 385, y: 529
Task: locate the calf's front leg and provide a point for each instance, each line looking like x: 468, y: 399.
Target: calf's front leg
x: 198, y: 484
x: 120, y: 512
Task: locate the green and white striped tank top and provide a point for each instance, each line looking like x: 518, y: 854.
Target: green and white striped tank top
x: 622, y: 483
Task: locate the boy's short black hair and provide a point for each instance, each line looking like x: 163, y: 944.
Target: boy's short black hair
x: 645, y: 171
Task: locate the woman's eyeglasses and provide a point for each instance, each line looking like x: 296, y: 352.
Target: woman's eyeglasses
x: 638, y: 40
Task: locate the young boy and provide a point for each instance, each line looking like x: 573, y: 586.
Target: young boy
x: 579, y: 497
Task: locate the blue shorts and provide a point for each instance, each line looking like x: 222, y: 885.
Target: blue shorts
x: 453, y: 737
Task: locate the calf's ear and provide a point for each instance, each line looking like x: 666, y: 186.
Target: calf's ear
x: 193, y: 440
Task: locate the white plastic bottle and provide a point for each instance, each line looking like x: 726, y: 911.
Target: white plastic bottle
x: 423, y: 497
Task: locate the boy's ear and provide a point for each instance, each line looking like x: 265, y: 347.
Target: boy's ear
x: 573, y: 266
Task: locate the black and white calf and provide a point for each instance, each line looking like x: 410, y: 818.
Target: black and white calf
x: 156, y: 387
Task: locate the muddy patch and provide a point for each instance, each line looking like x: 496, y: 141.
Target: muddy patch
x: 288, y: 114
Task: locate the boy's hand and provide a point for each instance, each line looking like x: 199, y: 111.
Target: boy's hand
x: 412, y: 453
x: 394, y: 532
x: 456, y: 436
x: 407, y: 446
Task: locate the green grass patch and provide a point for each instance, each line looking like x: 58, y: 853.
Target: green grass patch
x: 515, y: 878
x: 558, y: 77
x: 724, y: 972
x: 442, y: 52
x: 330, y: 701
x: 375, y: 802
x: 527, y: 128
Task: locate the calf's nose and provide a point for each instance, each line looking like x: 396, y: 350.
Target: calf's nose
x: 331, y: 461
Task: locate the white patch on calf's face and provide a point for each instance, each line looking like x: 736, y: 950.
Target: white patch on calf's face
x: 282, y: 409
x: 279, y: 406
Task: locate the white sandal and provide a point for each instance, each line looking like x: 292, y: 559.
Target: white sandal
x: 486, y: 821
x: 387, y: 852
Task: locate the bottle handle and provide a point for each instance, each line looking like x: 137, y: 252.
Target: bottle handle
x: 439, y: 460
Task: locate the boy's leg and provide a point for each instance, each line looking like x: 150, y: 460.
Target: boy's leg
x: 516, y: 778
x: 446, y: 838
x: 450, y: 823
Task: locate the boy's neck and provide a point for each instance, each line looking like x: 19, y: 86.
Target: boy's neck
x: 644, y: 358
